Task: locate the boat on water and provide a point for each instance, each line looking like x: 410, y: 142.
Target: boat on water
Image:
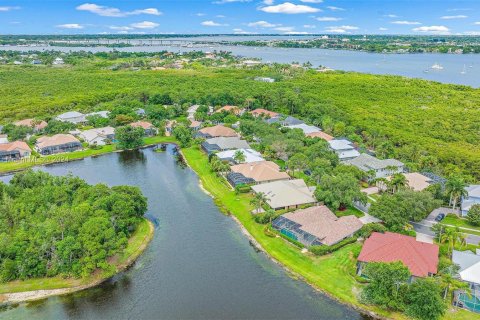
x: 464, y: 70
x: 436, y: 66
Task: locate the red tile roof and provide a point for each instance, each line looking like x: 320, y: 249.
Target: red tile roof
x: 236, y: 110
x: 420, y: 258
x: 16, y: 145
x: 321, y: 135
x: 142, y: 124
x: 264, y: 112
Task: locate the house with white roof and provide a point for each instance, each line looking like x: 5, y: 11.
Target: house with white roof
x: 103, y: 114
x: 344, y: 149
x: 307, y: 129
x: 469, y: 272
x: 98, y: 136
x: 58, y: 61
x: 472, y: 198
x: 286, y: 194
x: 381, y: 168
x: 72, y: 117
x: 250, y: 155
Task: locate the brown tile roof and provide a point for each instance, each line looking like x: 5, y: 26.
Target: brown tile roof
x: 236, y: 110
x: 39, y: 125
x: 324, y: 224
x: 321, y: 135
x: 421, y: 258
x: 55, y: 140
x: 218, y: 131
x: 16, y: 145
x: 263, y: 112
x: 195, y: 124
x: 261, y: 171
x: 141, y: 124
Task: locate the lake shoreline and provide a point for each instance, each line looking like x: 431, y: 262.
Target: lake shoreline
x: 33, y: 295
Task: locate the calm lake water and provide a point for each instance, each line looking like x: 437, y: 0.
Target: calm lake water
x: 198, y: 266
x: 457, y: 69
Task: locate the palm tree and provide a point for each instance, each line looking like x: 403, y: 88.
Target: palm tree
x: 455, y: 187
x: 397, y: 182
x: 258, y: 201
x: 450, y: 279
x: 239, y: 156
x: 452, y: 236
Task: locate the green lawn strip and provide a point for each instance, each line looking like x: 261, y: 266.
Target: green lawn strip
x: 332, y: 273
x: 71, y: 156
x: 136, y: 244
x: 459, y: 222
x: 350, y: 211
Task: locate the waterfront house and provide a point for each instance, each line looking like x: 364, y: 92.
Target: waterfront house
x: 472, y: 198
x: 216, y: 131
x: 255, y: 172
x: 223, y: 143
x: 263, y: 113
x: 37, y: 125
x: 307, y: 129
x: 72, y: 117
x: 286, y: 194
x: 321, y: 135
x: 419, y: 257
x: 381, y: 168
x: 98, y: 136
x: 317, y: 225
x: 57, y: 144
x: 14, y: 151
x: 469, y: 272
x: 232, y: 109
x: 149, y: 129
x: 3, y: 138
x: 249, y: 154
x: 344, y: 149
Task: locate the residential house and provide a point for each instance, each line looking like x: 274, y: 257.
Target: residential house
x: 316, y: 226
x: 472, y: 198
x: 286, y: 194
x: 36, y: 62
x: 307, y: 129
x: 249, y: 154
x: 469, y: 272
x: 344, y: 149
x: 3, y: 138
x: 224, y: 143
x: 72, y: 117
x: 321, y: 135
x: 419, y: 257
x: 288, y: 121
x: 255, y: 172
x: 233, y: 109
x: 381, y: 168
x: 58, y: 61
x: 263, y: 113
x: 216, y: 131
x: 169, y: 125
x: 103, y: 114
x: 265, y: 79
x: 140, y: 112
x: 417, y: 181
x: 98, y: 136
x: 14, y: 151
x: 195, y: 125
x: 37, y: 125
x: 57, y: 144
x: 191, y: 111
x: 149, y: 128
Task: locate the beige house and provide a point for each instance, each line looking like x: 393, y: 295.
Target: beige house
x: 217, y: 131
x: 256, y: 172
x: 286, y: 194
x: 37, y: 125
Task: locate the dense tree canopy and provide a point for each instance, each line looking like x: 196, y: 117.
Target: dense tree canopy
x: 61, y: 225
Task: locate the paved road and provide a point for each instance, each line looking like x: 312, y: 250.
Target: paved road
x: 424, y: 227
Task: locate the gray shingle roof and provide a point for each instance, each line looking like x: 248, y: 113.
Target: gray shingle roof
x: 367, y: 162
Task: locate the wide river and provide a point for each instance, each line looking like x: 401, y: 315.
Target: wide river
x: 198, y: 266
x: 461, y: 69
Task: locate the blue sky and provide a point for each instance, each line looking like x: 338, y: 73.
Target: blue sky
x: 240, y: 16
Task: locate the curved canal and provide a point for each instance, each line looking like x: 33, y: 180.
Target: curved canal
x: 198, y: 266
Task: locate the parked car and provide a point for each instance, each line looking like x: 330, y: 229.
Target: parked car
x: 440, y: 217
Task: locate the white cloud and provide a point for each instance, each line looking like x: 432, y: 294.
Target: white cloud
x: 144, y: 25
x: 241, y: 31
x: 285, y: 29
x: 312, y: 1
x: 341, y: 29
x: 70, y: 26
x: 405, y: 22
x: 200, y: 14
x: 120, y: 28
x: 105, y: 11
x: 211, y: 23
x: 391, y: 15
x: 268, y: 2
x: 434, y: 29
x: 460, y: 16
x: 477, y: 23
x: 326, y: 19
x: 289, y: 8
x: 472, y: 33
x: 309, y: 26
x: 382, y: 29
x: 221, y: 16
x: 5, y: 9
x: 262, y: 24
x: 335, y: 8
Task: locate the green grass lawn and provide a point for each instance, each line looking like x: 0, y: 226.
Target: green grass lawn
x: 462, y: 223
x: 350, y: 211
x: 333, y: 274
x: 136, y: 244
